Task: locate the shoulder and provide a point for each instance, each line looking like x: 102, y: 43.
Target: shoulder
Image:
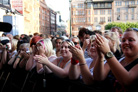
x: 89, y: 61
x: 52, y: 58
x: 121, y: 59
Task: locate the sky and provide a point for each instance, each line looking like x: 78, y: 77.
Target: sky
x: 60, y: 5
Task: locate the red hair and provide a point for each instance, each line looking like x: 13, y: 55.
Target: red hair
x: 34, y: 40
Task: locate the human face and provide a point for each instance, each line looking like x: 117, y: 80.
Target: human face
x: 116, y: 31
x: 129, y: 43
x: 65, y: 49
x: 40, y: 47
x: 92, y: 52
x: 75, y: 41
x: 87, y: 36
x: 58, y: 44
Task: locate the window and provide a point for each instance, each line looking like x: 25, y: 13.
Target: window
x: 80, y: 5
x: 89, y: 12
x: 118, y: 17
x: 102, y: 12
x: 109, y: 19
x: 109, y: 5
x: 74, y: 6
x: 95, y: 5
x: 126, y: 18
x: 118, y: 3
x: 126, y: 9
x: 132, y: 10
x: 83, y: 19
x: 132, y: 16
x: 132, y: 2
x: 88, y: 5
x: 89, y: 19
x: 102, y: 19
x: 98, y: 27
x: 126, y: 3
x: 77, y: 13
x: 102, y: 5
x: 95, y: 19
x: 95, y: 12
x: 109, y: 12
x: 118, y: 10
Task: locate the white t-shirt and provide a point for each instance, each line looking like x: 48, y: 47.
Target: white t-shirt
x: 89, y: 61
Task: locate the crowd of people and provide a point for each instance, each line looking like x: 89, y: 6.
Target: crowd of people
x: 92, y: 62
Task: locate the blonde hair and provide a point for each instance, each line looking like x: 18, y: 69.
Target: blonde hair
x: 48, y: 47
x: 115, y: 38
x: 14, y: 44
x: 25, y: 45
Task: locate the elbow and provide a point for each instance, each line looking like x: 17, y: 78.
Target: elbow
x: 63, y: 75
x: 28, y: 68
x: 88, y: 81
x: 73, y: 78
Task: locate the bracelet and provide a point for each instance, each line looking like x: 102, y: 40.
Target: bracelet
x: 82, y: 64
x: 74, y: 62
x: 18, y: 57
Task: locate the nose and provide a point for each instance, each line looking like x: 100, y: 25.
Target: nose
x: 126, y: 42
x: 63, y: 48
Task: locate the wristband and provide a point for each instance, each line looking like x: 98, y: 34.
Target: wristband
x: 82, y: 64
x: 18, y: 57
x: 74, y: 62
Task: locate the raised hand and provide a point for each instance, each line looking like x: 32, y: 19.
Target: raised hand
x: 41, y: 59
x: 77, y: 53
x: 102, y: 44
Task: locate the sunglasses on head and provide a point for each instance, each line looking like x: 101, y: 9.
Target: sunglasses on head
x: 75, y: 43
x: 135, y: 29
x: 70, y: 42
x: 42, y: 43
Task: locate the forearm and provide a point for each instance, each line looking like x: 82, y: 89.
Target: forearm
x: 11, y: 60
x: 23, y: 62
x: 86, y: 74
x: 47, y: 70
x: 74, y: 72
x: 98, y: 72
x: 4, y: 56
x: 62, y: 73
x: 30, y: 63
x: 119, y: 71
x: 16, y: 62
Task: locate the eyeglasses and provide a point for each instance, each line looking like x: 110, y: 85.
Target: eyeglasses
x: 135, y: 29
x: 75, y: 43
x: 69, y: 41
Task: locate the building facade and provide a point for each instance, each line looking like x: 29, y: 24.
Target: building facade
x: 95, y: 14
x: 125, y: 11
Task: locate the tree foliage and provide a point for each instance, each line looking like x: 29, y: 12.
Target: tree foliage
x: 122, y: 25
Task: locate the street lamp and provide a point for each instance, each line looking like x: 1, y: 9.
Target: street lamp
x: 70, y: 16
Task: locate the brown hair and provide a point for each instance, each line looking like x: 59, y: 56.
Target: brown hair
x: 119, y: 29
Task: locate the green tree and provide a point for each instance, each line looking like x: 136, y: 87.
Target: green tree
x: 122, y: 25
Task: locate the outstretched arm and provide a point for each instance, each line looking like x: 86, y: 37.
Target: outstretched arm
x: 54, y: 68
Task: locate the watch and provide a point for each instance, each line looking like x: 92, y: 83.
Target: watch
x: 109, y: 55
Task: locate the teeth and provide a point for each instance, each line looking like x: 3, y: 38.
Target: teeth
x: 126, y: 47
